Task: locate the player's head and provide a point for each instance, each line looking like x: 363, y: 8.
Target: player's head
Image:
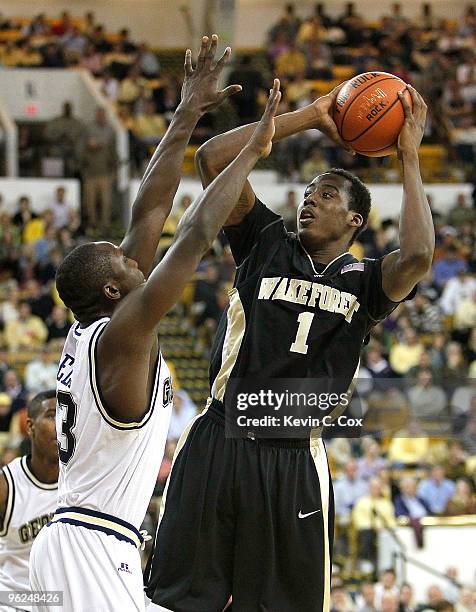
x: 94, y: 277
x: 335, y: 209
x: 41, y: 425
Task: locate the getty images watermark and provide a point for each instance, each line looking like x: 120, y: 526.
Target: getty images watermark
x: 410, y: 407
x: 288, y: 408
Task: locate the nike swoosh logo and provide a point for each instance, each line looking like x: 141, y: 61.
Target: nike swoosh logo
x: 301, y: 515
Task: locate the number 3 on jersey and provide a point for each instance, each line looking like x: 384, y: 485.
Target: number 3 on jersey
x: 299, y: 345
x: 68, y: 441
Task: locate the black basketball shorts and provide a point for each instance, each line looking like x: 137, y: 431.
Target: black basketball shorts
x: 251, y: 519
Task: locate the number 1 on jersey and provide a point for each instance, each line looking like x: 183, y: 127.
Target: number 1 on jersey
x: 299, y: 345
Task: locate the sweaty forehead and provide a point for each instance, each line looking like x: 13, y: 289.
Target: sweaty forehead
x: 340, y: 183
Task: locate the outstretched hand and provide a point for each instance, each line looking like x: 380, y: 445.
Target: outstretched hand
x: 261, y: 141
x: 324, y: 109
x: 199, y: 89
x: 413, y: 128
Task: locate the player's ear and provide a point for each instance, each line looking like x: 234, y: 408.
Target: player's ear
x: 30, y: 426
x: 356, y: 219
x: 112, y: 291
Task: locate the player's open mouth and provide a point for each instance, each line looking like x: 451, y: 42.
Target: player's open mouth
x: 306, y: 217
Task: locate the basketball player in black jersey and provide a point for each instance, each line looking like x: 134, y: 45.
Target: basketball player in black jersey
x: 253, y: 518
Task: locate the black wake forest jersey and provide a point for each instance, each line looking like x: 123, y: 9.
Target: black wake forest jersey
x: 289, y: 317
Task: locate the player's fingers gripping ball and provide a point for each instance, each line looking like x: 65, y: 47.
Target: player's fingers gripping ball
x: 369, y: 114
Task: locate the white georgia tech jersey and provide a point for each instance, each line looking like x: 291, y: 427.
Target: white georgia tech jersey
x: 30, y: 505
x: 106, y: 465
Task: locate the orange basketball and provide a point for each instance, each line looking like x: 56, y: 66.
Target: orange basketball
x: 369, y: 114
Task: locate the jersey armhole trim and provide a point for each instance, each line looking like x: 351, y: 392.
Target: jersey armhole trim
x: 279, y: 220
x: 99, y: 399
x: 10, y: 501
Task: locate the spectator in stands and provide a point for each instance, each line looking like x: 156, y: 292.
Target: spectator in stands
x: 468, y: 437
x: 366, y: 599
x: 131, y: 87
x: 6, y: 414
x: 38, y: 26
x: 371, y: 513
x: 458, y: 288
x: 74, y: 43
x: 433, y: 600
x: 40, y: 374
x: 183, y: 412
x: 376, y: 363
x: 387, y: 585
x: 61, y: 208
x: 425, y: 317
x: 52, y: 55
x: 409, y: 446
x: 311, y: 29
x: 436, y: 490
x: 58, y: 324
x: 455, y: 106
x: 40, y: 301
x: 291, y: 63
x: 407, y: 503
x: 124, y: 41
x: 340, y: 599
x: 406, y: 598
x: 289, y: 210
x: 465, y: 318
x: 148, y: 128
x: 466, y: 601
x: 24, y: 213
x: 205, y: 298
x: 99, y: 39
x: 63, y: 25
x: 148, y: 62
x: 406, y: 354
x: 371, y: 463
x: 425, y: 363
x: 455, y: 368
x: 287, y: 24
x: 9, y: 305
x: 461, y: 212
x: 454, y: 462
x: 14, y: 389
x: 448, y: 266
x: 347, y: 491
x: 92, y: 60
x: 427, y: 400
x: 313, y: 166
x: 463, y: 500
x: 27, y: 332
x: 245, y: 102
x: 64, y: 135
x: 109, y: 86
x: 99, y: 165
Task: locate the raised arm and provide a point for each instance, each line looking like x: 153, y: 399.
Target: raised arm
x: 219, y: 151
x: 143, y: 308
x: 403, y: 268
x: 161, y: 179
x: 127, y: 346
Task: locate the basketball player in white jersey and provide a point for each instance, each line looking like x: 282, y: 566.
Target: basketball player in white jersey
x: 114, y: 390
x: 28, y: 497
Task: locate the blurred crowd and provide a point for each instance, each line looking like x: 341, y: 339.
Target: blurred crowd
x: 435, y: 55
x: 311, y: 54
x: 419, y: 368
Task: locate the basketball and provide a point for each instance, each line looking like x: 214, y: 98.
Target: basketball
x: 369, y: 114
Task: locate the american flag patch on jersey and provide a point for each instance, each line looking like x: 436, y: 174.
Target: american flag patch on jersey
x: 359, y: 267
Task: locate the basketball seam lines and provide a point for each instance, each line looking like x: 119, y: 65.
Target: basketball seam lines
x: 375, y: 123
x: 389, y: 78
